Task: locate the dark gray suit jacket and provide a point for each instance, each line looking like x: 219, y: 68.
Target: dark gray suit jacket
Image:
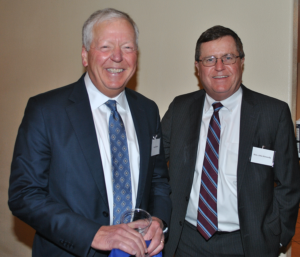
x: 57, y: 182
x: 267, y: 214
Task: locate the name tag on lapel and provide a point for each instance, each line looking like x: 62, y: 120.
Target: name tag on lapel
x: 262, y: 156
x: 155, y: 148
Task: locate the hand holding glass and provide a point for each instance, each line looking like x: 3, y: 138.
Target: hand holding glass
x: 138, y: 220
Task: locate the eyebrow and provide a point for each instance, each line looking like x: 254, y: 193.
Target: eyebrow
x: 219, y: 57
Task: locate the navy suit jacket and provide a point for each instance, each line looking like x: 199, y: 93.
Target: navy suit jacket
x: 267, y: 214
x: 57, y: 182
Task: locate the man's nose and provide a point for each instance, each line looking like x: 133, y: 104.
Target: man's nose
x: 117, y: 55
x: 219, y: 64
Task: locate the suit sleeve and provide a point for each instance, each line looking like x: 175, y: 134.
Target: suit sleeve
x: 166, y: 129
x: 287, y: 177
x: 29, y: 196
x: 160, y: 203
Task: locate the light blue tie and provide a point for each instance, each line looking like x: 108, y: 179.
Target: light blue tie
x: 120, y: 163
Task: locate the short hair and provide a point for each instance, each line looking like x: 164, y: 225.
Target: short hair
x: 217, y: 32
x: 101, y: 16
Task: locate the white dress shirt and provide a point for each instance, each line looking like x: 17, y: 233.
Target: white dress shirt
x: 101, y: 115
x: 228, y: 158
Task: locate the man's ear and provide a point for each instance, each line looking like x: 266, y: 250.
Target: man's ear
x: 84, y: 56
x: 197, y: 66
x: 243, y: 63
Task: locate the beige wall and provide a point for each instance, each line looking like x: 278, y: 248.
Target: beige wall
x: 40, y: 44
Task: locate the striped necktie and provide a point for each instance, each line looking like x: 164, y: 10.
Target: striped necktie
x: 207, y: 220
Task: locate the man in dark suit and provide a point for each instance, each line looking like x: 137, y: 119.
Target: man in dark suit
x: 227, y: 147
x: 88, y: 151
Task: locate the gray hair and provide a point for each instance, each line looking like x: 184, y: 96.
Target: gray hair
x: 101, y: 16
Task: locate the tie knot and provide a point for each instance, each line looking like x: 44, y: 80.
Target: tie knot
x: 217, y: 106
x: 112, y: 105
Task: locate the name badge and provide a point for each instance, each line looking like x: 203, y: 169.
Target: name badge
x: 262, y: 156
x: 155, y: 149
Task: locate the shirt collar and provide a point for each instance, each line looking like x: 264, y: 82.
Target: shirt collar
x: 228, y: 103
x: 97, y: 98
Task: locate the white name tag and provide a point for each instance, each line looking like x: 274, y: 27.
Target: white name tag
x: 155, y: 149
x: 262, y: 156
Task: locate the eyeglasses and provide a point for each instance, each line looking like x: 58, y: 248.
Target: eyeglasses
x: 227, y: 59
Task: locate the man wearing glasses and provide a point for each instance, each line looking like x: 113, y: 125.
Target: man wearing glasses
x: 233, y: 161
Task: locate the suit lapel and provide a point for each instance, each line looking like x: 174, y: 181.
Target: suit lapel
x: 143, y: 135
x: 80, y: 115
x: 193, y: 133
x: 248, y: 123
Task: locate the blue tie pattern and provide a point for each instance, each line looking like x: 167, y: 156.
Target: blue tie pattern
x: 207, y: 218
x: 120, y: 163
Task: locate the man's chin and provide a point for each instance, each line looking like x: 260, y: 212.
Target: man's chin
x: 114, y: 90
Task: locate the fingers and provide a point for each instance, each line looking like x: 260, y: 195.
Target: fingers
x: 155, y: 234
x: 159, y: 248
x: 156, y: 224
x: 120, y: 237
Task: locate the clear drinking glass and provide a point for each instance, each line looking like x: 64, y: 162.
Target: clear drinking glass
x: 137, y: 219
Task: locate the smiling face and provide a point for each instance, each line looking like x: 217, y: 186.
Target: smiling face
x: 112, y: 58
x: 220, y: 81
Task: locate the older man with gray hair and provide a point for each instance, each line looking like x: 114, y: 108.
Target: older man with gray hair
x: 88, y: 151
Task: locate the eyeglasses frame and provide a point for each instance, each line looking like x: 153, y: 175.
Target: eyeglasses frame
x: 236, y: 56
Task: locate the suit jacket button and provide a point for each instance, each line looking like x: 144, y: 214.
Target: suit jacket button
x: 105, y: 214
x: 180, y: 223
x: 186, y: 198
